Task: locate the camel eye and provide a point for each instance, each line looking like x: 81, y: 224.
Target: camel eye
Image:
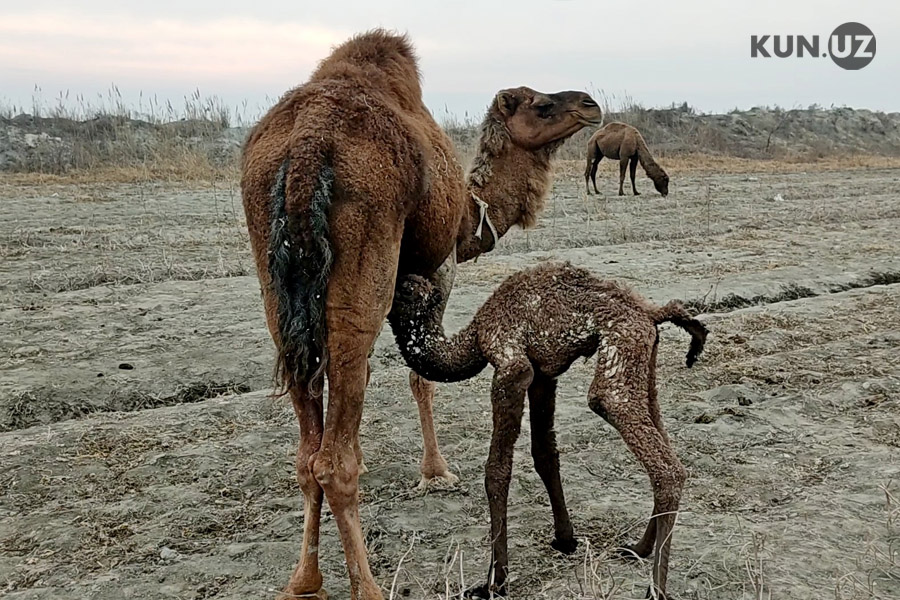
x: 589, y: 103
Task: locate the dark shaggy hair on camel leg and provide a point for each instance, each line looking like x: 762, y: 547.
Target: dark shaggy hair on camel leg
x: 537, y: 323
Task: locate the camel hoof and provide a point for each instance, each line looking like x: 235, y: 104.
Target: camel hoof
x: 564, y: 546
x: 628, y: 553
x: 637, y: 193
x: 621, y: 193
x: 485, y: 591
x: 445, y: 481
x: 287, y: 595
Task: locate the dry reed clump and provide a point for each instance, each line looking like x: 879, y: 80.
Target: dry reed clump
x: 78, y: 140
x: 110, y: 140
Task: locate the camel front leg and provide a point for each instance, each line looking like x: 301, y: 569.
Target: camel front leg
x: 434, y: 467
x: 633, y: 169
x: 623, y: 166
x: 594, y: 171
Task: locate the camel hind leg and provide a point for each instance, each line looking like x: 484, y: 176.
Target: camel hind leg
x: 358, y: 298
x: 619, y: 394
x: 542, y: 406
x: 306, y: 580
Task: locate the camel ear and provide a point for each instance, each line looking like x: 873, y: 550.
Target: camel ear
x: 507, y: 103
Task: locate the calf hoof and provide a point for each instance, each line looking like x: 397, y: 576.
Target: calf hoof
x: 564, y: 546
x: 630, y: 553
x: 486, y: 591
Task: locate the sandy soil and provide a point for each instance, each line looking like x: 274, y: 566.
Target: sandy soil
x: 141, y: 457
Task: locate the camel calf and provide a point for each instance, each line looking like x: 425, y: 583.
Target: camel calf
x: 625, y: 143
x: 537, y: 323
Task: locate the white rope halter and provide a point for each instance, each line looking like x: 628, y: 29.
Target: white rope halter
x: 485, y: 218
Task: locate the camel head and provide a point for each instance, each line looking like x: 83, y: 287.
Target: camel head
x: 662, y: 185
x: 534, y: 119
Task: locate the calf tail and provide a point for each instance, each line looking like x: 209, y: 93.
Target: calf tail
x: 675, y: 312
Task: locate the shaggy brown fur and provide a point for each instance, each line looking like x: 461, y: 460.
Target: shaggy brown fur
x: 346, y: 182
x: 531, y: 329
x: 625, y: 143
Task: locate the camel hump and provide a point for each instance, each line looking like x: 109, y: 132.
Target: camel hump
x: 377, y: 59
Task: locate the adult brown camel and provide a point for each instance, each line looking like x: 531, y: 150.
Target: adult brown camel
x: 531, y: 329
x: 346, y: 182
x: 625, y: 143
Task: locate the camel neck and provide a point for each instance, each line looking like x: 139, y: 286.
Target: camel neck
x: 514, y: 184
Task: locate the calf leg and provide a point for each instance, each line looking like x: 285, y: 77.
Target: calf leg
x: 619, y: 394
x: 508, y: 402
x: 667, y: 476
x: 644, y: 547
x: 542, y: 405
x: 655, y: 414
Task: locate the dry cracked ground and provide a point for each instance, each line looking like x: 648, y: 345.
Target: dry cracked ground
x: 140, y: 456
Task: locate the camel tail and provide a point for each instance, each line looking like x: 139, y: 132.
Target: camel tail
x: 676, y: 313
x: 300, y: 259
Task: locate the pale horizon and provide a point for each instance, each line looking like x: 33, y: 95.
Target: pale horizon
x: 654, y: 54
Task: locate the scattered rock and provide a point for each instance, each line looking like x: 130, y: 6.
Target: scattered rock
x: 730, y: 395
x: 167, y: 553
x: 26, y: 351
x: 126, y: 366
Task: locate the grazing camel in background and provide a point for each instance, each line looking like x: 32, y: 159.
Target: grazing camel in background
x: 533, y: 327
x: 625, y: 143
x: 347, y: 182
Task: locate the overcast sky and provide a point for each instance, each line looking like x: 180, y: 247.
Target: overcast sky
x: 654, y: 51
